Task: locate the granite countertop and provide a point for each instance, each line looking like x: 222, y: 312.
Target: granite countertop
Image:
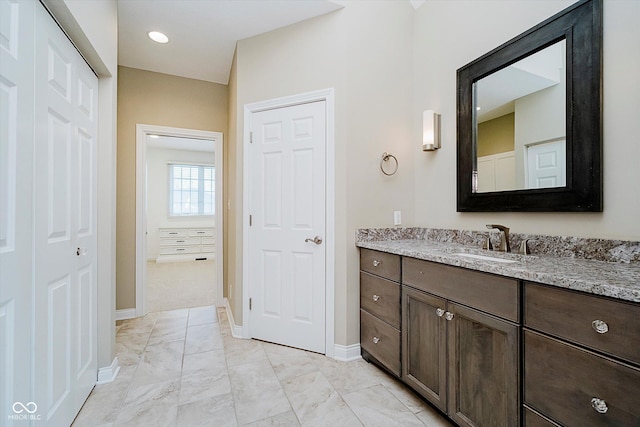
x: 612, y: 279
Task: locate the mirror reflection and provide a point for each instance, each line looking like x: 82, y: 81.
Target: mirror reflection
x: 520, y: 124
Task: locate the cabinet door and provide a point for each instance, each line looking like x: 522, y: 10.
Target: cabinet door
x: 483, y: 369
x: 424, y: 345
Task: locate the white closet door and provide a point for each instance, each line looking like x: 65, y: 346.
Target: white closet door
x: 16, y: 171
x: 65, y: 364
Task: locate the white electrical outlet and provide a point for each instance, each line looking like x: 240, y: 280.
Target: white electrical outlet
x: 397, y: 217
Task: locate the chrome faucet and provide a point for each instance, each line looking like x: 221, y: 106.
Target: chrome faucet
x: 504, y: 237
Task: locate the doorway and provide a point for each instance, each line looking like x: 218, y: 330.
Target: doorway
x: 179, y: 218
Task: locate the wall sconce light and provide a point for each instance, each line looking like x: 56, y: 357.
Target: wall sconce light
x: 430, y: 130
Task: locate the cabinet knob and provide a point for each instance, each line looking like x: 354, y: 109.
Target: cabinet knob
x: 599, y: 405
x: 448, y: 315
x: 376, y: 263
x: 439, y: 312
x: 376, y: 340
x: 600, y: 326
x: 376, y: 298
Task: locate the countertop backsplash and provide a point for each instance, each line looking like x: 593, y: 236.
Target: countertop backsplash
x: 620, y: 251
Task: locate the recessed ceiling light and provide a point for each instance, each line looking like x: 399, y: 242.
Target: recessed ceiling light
x: 157, y: 36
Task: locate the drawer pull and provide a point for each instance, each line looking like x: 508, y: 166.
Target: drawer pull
x: 376, y: 340
x: 448, y: 315
x: 599, y: 405
x: 376, y: 263
x: 376, y: 298
x: 439, y: 312
x: 600, y: 326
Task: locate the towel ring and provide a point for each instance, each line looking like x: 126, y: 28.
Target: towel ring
x: 385, y: 158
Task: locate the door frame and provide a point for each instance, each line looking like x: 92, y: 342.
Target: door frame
x: 326, y: 95
x: 142, y: 130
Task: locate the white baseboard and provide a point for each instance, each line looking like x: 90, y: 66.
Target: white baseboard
x: 208, y: 256
x: 346, y: 353
x: 109, y: 373
x: 236, y: 330
x: 127, y: 313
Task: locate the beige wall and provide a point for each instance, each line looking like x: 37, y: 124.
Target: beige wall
x: 387, y: 64
x: 154, y: 99
x: 496, y: 135
x: 450, y: 34
x: 364, y: 52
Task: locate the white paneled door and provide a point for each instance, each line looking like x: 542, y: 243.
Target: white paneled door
x: 546, y: 165
x: 66, y: 103
x: 48, y: 299
x: 16, y: 171
x: 287, y: 252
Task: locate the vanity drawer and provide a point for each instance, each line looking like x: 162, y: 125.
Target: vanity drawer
x: 381, y: 298
x: 381, y: 264
x: 573, y: 315
x: 380, y: 340
x: 533, y: 419
x: 560, y: 381
x: 493, y: 294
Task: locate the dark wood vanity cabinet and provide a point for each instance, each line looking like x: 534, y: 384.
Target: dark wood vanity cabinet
x: 380, y: 308
x: 459, y: 339
x: 581, y: 359
x: 464, y: 360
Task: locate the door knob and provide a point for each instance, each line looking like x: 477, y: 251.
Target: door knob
x: 317, y: 240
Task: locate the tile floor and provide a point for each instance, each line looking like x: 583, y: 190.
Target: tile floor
x: 183, y: 368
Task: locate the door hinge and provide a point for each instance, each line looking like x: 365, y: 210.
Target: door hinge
x: 250, y: 137
x: 250, y: 220
x: 250, y: 303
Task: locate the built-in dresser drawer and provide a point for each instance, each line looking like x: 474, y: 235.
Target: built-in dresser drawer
x: 208, y: 248
x: 173, y: 250
x: 208, y: 240
x: 576, y: 387
x: 381, y: 340
x: 173, y: 232
x: 180, y: 241
x: 596, y: 322
x: 493, y: 294
x: 381, y: 264
x: 201, y: 232
x: 380, y: 297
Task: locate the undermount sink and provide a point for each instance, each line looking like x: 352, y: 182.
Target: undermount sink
x: 485, y: 258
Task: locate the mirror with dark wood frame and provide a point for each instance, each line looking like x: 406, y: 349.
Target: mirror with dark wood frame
x: 576, y: 33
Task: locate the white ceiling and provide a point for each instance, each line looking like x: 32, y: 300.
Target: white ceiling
x: 498, y: 91
x: 202, y: 33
